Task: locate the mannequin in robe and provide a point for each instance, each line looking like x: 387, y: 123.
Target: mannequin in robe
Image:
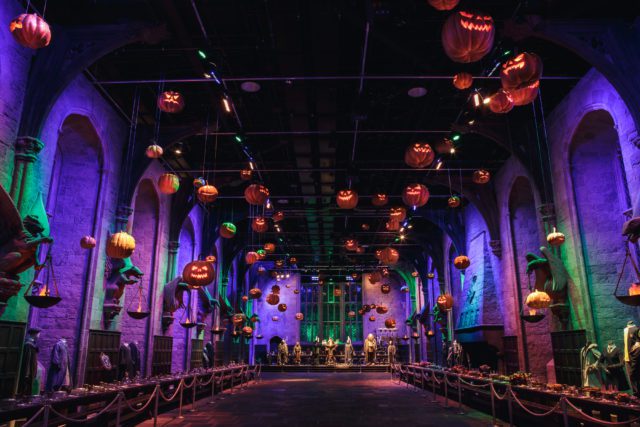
x: 330, y: 346
x: 589, y: 357
x: 135, y: 359
x: 125, y: 363
x: 348, y: 352
x: 316, y: 351
x: 297, y: 353
x: 207, y: 355
x: 391, y: 352
x: 370, y: 347
x: 611, y: 362
x: 283, y: 353
x: 632, y: 354
x: 58, y: 375
x: 29, y: 366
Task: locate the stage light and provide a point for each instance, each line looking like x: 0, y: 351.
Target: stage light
x: 402, y: 237
x: 238, y: 137
x: 410, y: 226
x: 226, y: 104
x: 202, y: 54
x: 252, y: 165
x: 476, y: 99
x: 487, y: 100
x: 439, y: 163
x: 455, y: 136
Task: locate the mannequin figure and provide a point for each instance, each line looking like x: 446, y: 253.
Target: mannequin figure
x: 208, y: 354
x: 370, y: 347
x: 28, y: 384
x: 589, y: 357
x: 631, y: 356
x: 58, y: 375
x: 297, y: 353
x: 348, y: 352
x: 330, y: 346
x: 316, y: 351
x: 614, y: 375
x: 125, y: 363
x: 391, y: 352
x: 283, y: 352
x: 135, y: 359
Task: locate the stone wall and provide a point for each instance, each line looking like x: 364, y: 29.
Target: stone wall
x: 398, y: 303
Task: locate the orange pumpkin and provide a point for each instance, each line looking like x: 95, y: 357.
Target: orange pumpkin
x: 372, y: 318
x: 525, y: 95
x: 31, y: 31
x: 379, y: 199
x: 168, y: 183
x: 397, y: 213
x: 154, y: 151
x: 299, y: 316
x: 375, y: 277
x: 382, y: 309
x: 227, y: 230
x: 120, y: 245
x: 270, y: 247
x: 385, y: 288
x: 279, y: 263
x: 444, y: 302
x: 521, y: 71
x: 293, y: 260
x: 207, y: 193
x: 538, y: 300
x: 278, y: 216
x: 365, y: 226
x: 462, y: 81
x: 246, y: 174
x: 256, y: 194
x: 430, y: 333
x: 555, y: 238
x: 273, y: 299
x: 390, y: 323
x: 467, y: 37
x: 347, y: 199
x: 351, y: 245
x: 454, y: 201
x: 88, y: 242
x: 275, y: 289
x: 255, y: 293
x: 251, y: 257
x: 392, y: 225
x: 245, y: 298
x: 419, y: 155
x: 481, y: 176
x: 282, y: 308
x: 443, y: 4
x: 501, y: 102
x: 351, y: 314
x: 259, y: 224
x: 198, y: 273
x: 389, y: 256
x: 247, y: 331
x: 461, y: 262
x: 414, y: 274
x: 171, y: 101
x: 415, y: 195
x: 211, y: 258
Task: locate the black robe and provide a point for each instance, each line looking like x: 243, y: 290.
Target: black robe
x: 125, y: 364
x: 135, y: 360
x: 29, y: 367
x: 58, y: 367
x: 612, y: 361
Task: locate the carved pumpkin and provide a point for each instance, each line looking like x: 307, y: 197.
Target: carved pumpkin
x: 256, y: 194
x: 501, y: 102
x: 270, y: 247
x: 261, y: 270
x: 337, y: 292
x: 275, y: 289
x: 88, y: 242
x: 227, y: 230
x: 171, y: 101
x: 355, y: 276
x: 259, y: 224
x: 414, y: 274
x: 372, y: 318
x: 375, y: 277
x: 444, y: 302
x: 251, y: 258
x: 392, y: 225
x: 31, y: 31
x: 555, y: 238
x: 385, y: 288
x: 481, y: 176
x: 211, y: 258
x: 454, y: 201
x: 379, y: 199
x: 274, y: 318
x: 168, y: 183
x: 382, y: 309
x: 462, y: 81
x: 538, y: 300
x: 246, y: 174
x: 521, y: 71
x: 347, y: 199
x: 461, y: 262
x: 247, y: 331
x: 634, y: 289
x: 198, y: 273
x: 419, y: 155
x: 430, y: 333
x: 273, y: 299
x: 255, y: 293
x: 299, y: 316
x: 279, y: 263
x: 467, y: 36
x: 238, y: 319
x: 389, y: 256
x: 443, y: 4
x: 431, y: 275
x: 207, y: 193
x: 361, y: 311
x: 398, y: 213
x: 384, y: 272
x: 415, y: 195
x: 154, y: 151
x: 351, y: 245
x: 245, y: 298
x: 282, y: 308
x: 293, y: 260
x: 278, y: 216
x: 390, y: 323
x: 366, y: 308
x: 351, y: 314
x: 120, y: 245
x: 525, y: 95
x: 365, y: 226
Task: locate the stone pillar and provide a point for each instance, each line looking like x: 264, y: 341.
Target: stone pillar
x: 26, y: 153
x: 123, y: 212
x: 174, y: 245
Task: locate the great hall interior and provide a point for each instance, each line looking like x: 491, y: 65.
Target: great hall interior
x: 319, y: 212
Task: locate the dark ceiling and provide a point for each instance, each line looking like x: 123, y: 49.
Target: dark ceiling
x: 328, y: 113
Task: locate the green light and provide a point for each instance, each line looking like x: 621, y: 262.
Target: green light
x: 455, y: 137
x: 506, y: 53
x: 202, y: 54
x: 238, y: 138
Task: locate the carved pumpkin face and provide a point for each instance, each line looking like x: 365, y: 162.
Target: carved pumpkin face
x: 282, y: 308
x: 171, y: 101
x: 255, y: 293
x: 444, y: 302
x: 454, y: 202
x: 347, y: 199
x: 501, y: 102
x: 525, y: 95
x: 246, y: 174
x: 430, y: 275
x: 279, y: 263
x: 198, y: 273
x: 270, y: 247
x: 256, y: 194
x: 462, y: 81
x: 379, y: 199
x: 398, y: 213
x: 467, y: 36
x: 207, y: 193
x: 278, y: 216
x: 382, y: 309
x: 299, y: 316
x: 481, y: 176
x: 389, y: 256
x: 521, y: 71
x: 375, y: 277
x: 227, y: 230
x: 293, y: 260
x: 251, y: 257
x: 415, y: 195
x: 211, y: 259
x: 390, y: 323
x: 168, y: 183
x: 419, y: 155
x: 337, y: 292
x: 461, y: 262
x: 372, y: 318
x: 154, y: 151
x: 275, y: 289
x: 430, y: 333
x: 414, y: 274
x: 31, y: 31
x: 351, y: 245
x: 245, y: 298
x: 259, y: 224
x: 247, y: 331
x: 443, y: 4
x: 385, y: 288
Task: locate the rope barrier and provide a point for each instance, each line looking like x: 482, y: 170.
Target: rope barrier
x: 597, y: 420
x: 174, y: 394
x: 535, y: 414
x: 193, y: 381
x: 32, y: 419
x: 151, y: 398
x: 84, y: 418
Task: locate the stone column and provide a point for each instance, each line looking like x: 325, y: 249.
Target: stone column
x: 26, y: 153
x: 123, y: 212
x: 174, y: 245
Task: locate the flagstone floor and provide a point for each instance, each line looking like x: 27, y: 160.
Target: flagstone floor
x: 326, y: 400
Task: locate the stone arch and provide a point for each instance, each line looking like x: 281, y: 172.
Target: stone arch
x: 181, y: 336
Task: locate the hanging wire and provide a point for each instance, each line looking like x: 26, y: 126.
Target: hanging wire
x: 44, y: 9
x: 204, y: 155
x: 544, y: 180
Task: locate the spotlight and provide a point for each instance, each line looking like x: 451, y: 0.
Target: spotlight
x: 410, y: 226
x: 202, y: 54
x: 487, y: 100
x: 455, y: 136
x: 178, y: 149
x: 226, y: 104
x: 439, y: 163
x: 239, y: 138
x: 252, y: 166
x: 452, y: 150
x: 477, y: 99
x: 402, y: 237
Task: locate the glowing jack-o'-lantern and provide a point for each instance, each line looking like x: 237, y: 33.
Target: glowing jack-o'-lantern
x: 392, y: 225
x: 481, y: 176
x: 443, y: 4
x: 454, y: 201
x: 227, y: 230
x: 246, y: 174
x: 461, y: 262
x: 525, y: 95
x: 211, y: 258
x: 207, y: 193
x: 385, y: 288
x: 198, y: 273
x: 375, y: 277
x: 444, y: 302
x: 247, y: 331
x: 372, y: 318
x: 273, y: 299
x: 245, y: 298
x: 154, y: 151
x: 389, y: 256
x: 397, y: 213
x: 467, y: 36
x: 414, y: 274
x: 255, y: 293
x: 347, y: 199
x: 521, y: 71
x: 351, y: 314
x: 88, y: 242
x: 501, y: 102
x: 415, y: 195
x: 279, y: 263
x: 278, y: 216
x: 31, y: 31
x: 365, y: 226
x: 351, y: 245
x: 251, y: 257
x: 293, y: 260
x: 462, y: 81
x: 419, y: 155
x: 256, y: 194
x: 270, y: 247
x: 390, y: 323
x: 120, y: 245
x: 431, y: 275
x: 538, y: 300
x: 259, y: 224
x: 171, y: 101
x: 238, y: 319
x: 168, y: 183
x: 379, y: 199
x: 299, y: 316
x: 555, y: 238
x: 275, y: 289
x: 282, y: 308
x: 430, y: 333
